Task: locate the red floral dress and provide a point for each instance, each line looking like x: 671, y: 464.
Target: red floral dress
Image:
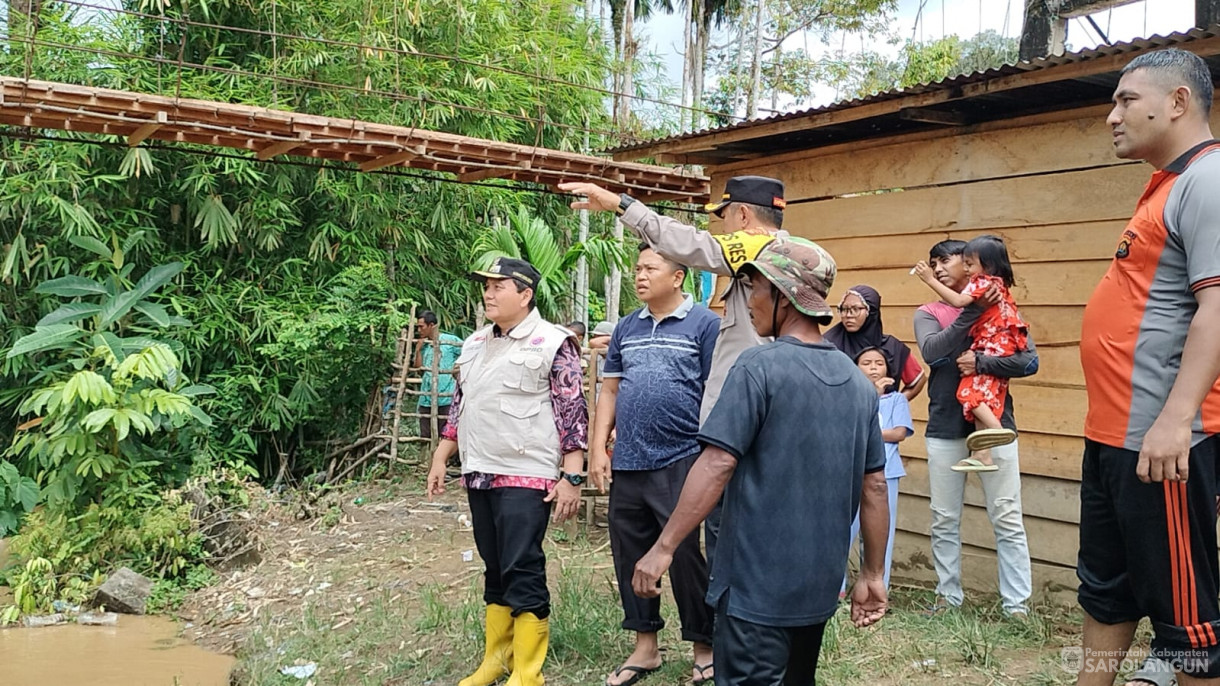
x: 999, y: 332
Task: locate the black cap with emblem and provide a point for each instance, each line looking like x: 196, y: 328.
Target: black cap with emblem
x: 752, y: 190
x: 509, y: 268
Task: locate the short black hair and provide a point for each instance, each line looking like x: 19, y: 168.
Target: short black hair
x: 769, y: 217
x: 521, y: 286
x: 947, y: 248
x: 428, y: 316
x: 992, y: 256
x: 577, y: 328
x: 673, y: 264
x: 1179, y: 68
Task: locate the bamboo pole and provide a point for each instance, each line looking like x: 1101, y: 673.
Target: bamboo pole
x: 436, y: 382
x: 408, y: 349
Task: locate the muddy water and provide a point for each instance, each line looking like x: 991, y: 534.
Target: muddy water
x: 140, y: 651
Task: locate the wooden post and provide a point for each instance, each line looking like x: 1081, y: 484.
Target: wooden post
x: 1207, y: 13
x: 400, y: 387
x: 1044, y: 32
x: 436, y: 367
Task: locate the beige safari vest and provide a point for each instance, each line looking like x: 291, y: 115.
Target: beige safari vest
x: 507, y: 426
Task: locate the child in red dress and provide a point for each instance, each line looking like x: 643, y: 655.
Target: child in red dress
x: 999, y: 332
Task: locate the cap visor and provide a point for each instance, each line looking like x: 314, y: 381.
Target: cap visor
x: 483, y: 276
x: 716, y: 207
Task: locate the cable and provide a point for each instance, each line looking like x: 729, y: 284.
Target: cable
x: 411, y: 53
x: 322, y: 164
x: 307, y: 82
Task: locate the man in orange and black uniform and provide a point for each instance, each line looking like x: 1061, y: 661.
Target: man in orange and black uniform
x: 1150, y: 349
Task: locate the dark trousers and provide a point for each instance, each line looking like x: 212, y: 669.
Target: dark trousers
x: 509, y: 525
x: 1149, y: 550
x: 749, y: 654
x: 641, y: 503
x: 425, y: 423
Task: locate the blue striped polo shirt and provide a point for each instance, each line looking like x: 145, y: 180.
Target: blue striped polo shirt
x: 662, y: 367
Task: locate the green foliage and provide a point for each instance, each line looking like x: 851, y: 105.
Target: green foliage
x: 528, y: 237
x: 62, y: 557
x: 168, y: 594
x: 109, y: 404
x: 869, y: 72
x: 18, y: 496
x: 295, y: 277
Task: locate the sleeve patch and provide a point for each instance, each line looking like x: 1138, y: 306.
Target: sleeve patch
x: 741, y: 247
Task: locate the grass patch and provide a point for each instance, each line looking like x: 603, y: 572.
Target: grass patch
x: 432, y: 632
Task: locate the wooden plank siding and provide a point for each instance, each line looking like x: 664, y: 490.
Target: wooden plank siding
x: 1051, y: 187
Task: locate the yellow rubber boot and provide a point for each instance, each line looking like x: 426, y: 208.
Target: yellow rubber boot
x: 530, y: 638
x: 498, y: 654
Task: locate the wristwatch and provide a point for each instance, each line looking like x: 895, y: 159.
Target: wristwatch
x: 624, y: 201
x: 574, y: 479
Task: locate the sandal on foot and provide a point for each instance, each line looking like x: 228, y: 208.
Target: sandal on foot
x: 703, y: 677
x: 941, y: 606
x: 989, y: 438
x: 637, y: 673
x: 972, y: 465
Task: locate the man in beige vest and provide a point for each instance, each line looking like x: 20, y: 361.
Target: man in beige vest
x: 520, y: 419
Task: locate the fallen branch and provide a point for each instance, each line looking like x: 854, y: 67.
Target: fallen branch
x: 363, y: 458
x: 352, y: 446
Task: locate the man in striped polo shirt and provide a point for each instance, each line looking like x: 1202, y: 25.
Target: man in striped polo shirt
x: 656, y: 369
x: 1150, y: 349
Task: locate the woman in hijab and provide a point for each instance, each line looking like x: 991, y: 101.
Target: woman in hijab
x: 859, y: 328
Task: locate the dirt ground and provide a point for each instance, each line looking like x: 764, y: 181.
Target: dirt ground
x: 376, y: 585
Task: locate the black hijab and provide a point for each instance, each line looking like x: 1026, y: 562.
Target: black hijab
x: 870, y: 335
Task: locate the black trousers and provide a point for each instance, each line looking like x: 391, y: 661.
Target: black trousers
x: 1149, y: 550
x: 425, y: 423
x: 749, y: 654
x: 641, y: 503
x: 509, y: 525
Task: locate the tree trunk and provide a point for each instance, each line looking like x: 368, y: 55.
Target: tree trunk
x: 582, y: 266
x: 627, y: 64
x: 615, y: 285
x: 688, y: 68
x: 778, y: 77
x: 26, y: 7
x: 703, y: 28
x: 755, y: 89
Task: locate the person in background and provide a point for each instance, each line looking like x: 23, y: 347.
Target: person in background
x: 943, y: 334
x: 578, y: 331
x: 859, y: 329
x: 894, y: 414
x: 431, y: 340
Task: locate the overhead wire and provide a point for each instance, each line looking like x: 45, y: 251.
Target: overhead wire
x: 400, y: 51
x: 321, y: 85
x: 315, y: 165
x: 274, y: 138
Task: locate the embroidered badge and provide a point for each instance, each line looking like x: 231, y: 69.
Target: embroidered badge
x: 1124, y: 245
x: 537, y: 340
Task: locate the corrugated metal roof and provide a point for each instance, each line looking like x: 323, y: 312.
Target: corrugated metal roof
x: 1042, y: 63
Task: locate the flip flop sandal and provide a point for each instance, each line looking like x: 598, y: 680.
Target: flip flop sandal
x: 703, y: 677
x: 972, y: 465
x: 637, y: 673
x: 989, y: 438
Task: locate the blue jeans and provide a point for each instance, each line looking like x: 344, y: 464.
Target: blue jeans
x: 1002, y: 489
x: 892, y: 487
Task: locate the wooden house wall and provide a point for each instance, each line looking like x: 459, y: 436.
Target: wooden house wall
x: 1051, y: 186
